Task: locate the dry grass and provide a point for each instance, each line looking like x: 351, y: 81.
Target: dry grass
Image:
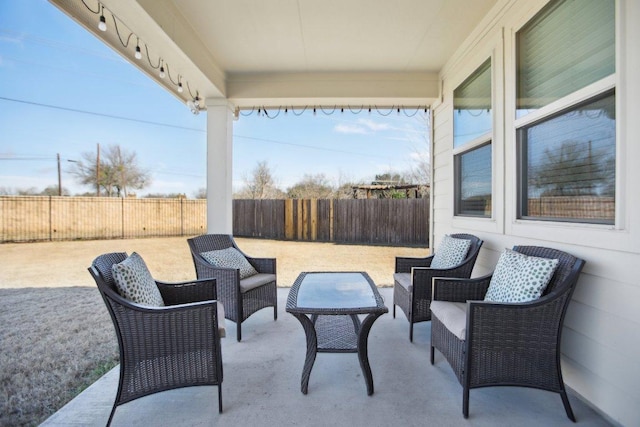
x: 52, y: 339
x: 56, y: 335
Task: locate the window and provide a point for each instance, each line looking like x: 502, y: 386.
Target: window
x: 567, y: 153
x: 567, y: 46
x: 472, y: 133
x: 569, y: 164
x: 473, y: 173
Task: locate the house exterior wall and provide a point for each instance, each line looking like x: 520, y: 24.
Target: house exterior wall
x: 601, y: 337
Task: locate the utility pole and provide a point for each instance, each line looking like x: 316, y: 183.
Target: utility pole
x: 59, y: 177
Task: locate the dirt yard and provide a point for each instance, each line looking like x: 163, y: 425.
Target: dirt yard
x: 56, y: 335
x: 56, y: 264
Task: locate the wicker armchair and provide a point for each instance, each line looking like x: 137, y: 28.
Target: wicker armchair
x: 412, y: 281
x: 240, y: 301
x: 506, y: 344
x: 166, y: 347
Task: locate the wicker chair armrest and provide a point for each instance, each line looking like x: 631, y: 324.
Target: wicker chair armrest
x: 263, y: 265
x: 460, y: 290
x: 493, y: 324
x: 404, y: 264
x: 156, y: 328
x: 187, y: 292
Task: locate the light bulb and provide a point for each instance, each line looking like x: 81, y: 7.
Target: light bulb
x: 162, y: 72
x: 102, y: 26
x: 138, y: 54
x: 180, y: 89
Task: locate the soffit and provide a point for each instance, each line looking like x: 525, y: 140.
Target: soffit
x: 331, y: 51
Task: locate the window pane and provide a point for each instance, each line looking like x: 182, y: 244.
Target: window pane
x: 472, y: 106
x: 569, y: 164
x: 567, y: 46
x: 473, y: 183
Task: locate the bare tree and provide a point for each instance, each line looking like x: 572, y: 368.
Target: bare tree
x: 261, y: 184
x: 312, y: 187
x: 117, y: 173
x: 52, y: 190
x: 201, y: 193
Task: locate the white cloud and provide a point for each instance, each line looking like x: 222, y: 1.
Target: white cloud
x: 374, y: 126
x: 417, y: 156
x: 350, y: 129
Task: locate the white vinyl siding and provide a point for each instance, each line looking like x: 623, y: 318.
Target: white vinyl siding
x: 601, y: 336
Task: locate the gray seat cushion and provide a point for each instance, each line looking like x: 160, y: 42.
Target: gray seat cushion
x: 256, y: 281
x: 453, y: 316
x: 404, y: 280
x: 222, y: 327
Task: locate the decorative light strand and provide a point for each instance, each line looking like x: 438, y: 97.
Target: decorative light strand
x: 162, y: 67
x: 264, y: 111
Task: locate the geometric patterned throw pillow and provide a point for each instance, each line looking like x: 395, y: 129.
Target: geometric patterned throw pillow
x: 520, y: 278
x: 230, y: 258
x: 451, y: 252
x: 135, y: 283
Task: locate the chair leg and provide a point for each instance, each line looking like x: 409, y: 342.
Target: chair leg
x: 219, y: 398
x: 275, y: 312
x: 411, y: 331
x: 113, y: 411
x: 432, y: 356
x: 567, y: 405
x: 239, y: 331
x: 394, y: 311
x: 465, y: 402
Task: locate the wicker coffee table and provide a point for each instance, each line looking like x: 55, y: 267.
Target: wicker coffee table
x: 327, y: 305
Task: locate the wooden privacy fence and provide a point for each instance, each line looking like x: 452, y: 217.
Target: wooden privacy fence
x: 372, y: 221
x: 32, y: 218
x: 377, y: 221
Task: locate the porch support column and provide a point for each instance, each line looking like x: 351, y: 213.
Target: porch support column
x: 219, y: 166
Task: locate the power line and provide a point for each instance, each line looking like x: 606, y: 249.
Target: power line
x: 308, y: 146
x: 93, y: 113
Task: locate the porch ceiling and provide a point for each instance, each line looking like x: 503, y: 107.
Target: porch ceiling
x: 295, y: 52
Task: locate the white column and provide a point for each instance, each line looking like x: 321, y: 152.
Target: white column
x: 219, y: 166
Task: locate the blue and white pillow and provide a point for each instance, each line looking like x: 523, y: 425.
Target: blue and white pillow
x: 230, y: 258
x: 451, y: 252
x: 135, y: 283
x: 520, y: 278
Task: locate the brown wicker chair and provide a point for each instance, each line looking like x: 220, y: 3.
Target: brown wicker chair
x: 507, y: 344
x: 239, y: 301
x: 412, y: 281
x: 166, y: 347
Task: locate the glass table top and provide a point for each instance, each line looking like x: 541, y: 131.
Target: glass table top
x: 335, y: 291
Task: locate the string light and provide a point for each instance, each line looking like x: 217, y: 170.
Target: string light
x: 102, y: 26
x: 263, y: 111
x: 160, y: 66
x: 138, y: 53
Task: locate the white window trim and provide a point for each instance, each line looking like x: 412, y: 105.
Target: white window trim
x: 495, y: 223
x: 612, y: 237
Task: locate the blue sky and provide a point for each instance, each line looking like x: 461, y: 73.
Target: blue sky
x: 63, y: 91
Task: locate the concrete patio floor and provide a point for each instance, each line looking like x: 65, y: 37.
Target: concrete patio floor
x: 262, y: 387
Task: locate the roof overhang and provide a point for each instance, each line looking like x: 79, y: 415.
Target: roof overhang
x: 332, y: 53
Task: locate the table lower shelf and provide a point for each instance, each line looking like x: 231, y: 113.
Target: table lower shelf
x: 337, y: 334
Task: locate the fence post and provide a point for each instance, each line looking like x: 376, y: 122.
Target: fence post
x: 50, y: 221
x: 331, y: 231
x: 182, y: 216
x: 122, y: 214
x: 289, y: 229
